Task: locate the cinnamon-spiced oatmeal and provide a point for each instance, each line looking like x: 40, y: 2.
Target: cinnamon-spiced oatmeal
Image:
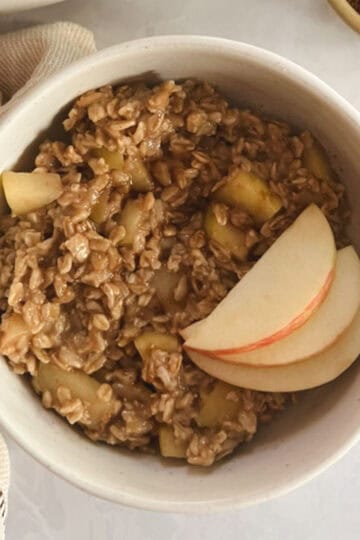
x: 146, y: 236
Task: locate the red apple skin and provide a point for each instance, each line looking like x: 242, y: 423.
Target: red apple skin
x: 311, y: 372
x: 283, y: 332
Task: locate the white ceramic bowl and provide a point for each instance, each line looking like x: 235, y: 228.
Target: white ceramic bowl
x: 306, y: 438
x: 18, y: 5
x: 347, y: 12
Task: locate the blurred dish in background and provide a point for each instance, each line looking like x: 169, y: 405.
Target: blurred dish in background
x: 349, y: 10
x: 17, y: 5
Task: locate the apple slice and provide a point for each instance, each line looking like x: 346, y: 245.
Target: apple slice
x: 26, y: 192
x: 330, y: 320
x: 277, y: 295
x: 314, y: 371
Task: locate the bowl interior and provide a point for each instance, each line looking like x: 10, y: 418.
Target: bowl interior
x: 304, y: 439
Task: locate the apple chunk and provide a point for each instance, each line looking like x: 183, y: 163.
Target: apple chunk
x: 114, y: 159
x: 314, y: 371
x: 250, y: 193
x: 165, y: 284
x: 98, y: 411
x: 330, y: 320
x: 26, y: 192
x: 228, y: 236
x: 216, y: 407
x: 100, y: 210
x: 149, y: 340
x: 169, y: 445
x: 140, y: 177
x: 132, y: 217
x: 12, y: 329
x: 316, y: 160
x: 4, y: 209
x: 277, y: 295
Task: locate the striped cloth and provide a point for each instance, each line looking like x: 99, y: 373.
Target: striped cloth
x: 4, y: 485
x: 26, y: 57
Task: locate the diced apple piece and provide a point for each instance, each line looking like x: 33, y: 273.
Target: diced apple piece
x: 314, y: 371
x: 326, y: 325
x: 165, y: 283
x: 134, y: 166
x: 161, y: 172
x: 147, y: 341
x: 100, y: 210
x: 228, y: 236
x: 250, y: 193
x: 12, y: 329
x: 216, y: 406
x: 114, y: 159
x: 278, y: 294
x: 131, y: 218
x: 26, y: 192
x: 316, y: 160
x: 140, y: 176
x: 4, y: 209
x: 169, y: 445
x: 81, y: 386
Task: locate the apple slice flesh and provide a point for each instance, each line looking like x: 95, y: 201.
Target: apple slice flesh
x: 314, y: 371
x: 326, y: 325
x: 26, y: 192
x: 277, y: 295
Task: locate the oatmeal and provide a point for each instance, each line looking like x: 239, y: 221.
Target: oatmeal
x: 169, y: 196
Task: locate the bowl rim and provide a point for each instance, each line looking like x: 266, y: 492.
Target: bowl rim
x: 263, y: 57
x: 347, y: 12
x: 23, y: 5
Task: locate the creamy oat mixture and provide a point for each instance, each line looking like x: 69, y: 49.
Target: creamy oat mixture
x: 132, y: 246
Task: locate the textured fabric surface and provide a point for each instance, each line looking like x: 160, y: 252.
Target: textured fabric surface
x: 29, y: 55
x: 4, y: 484
x: 26, y: 57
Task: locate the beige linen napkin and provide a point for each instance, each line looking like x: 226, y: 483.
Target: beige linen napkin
x: 26, y: 57
x: 29, y: 55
